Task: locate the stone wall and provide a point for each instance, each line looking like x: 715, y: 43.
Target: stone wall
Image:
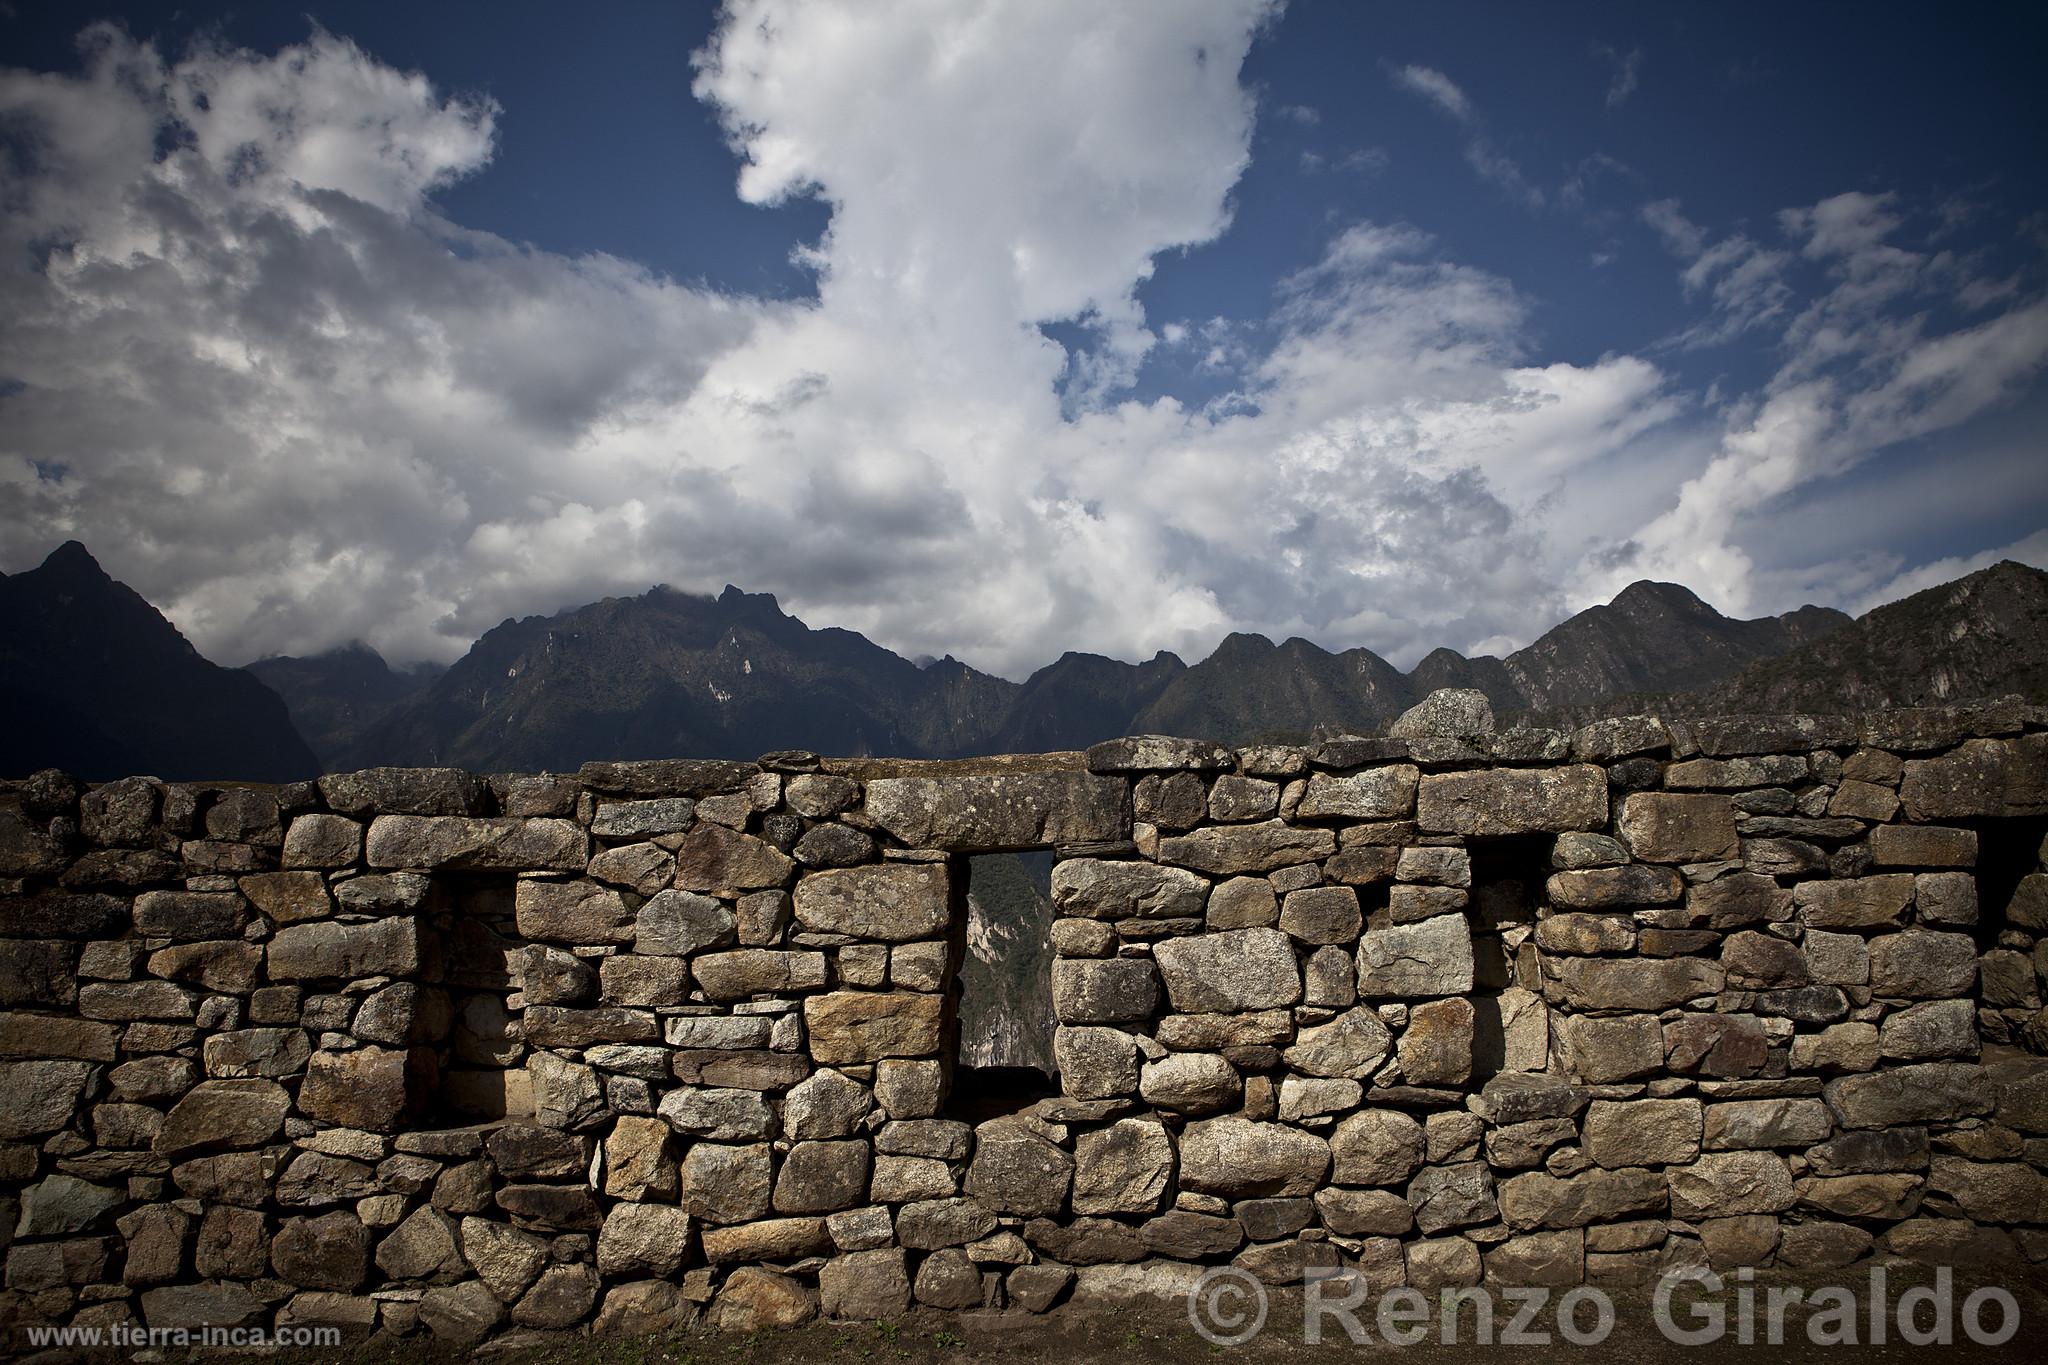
x: 436, y: 1053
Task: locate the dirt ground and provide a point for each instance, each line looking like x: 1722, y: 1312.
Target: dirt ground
x: 1148, y: 1332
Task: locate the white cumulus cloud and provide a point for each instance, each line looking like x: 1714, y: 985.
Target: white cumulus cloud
x: 252, y: 365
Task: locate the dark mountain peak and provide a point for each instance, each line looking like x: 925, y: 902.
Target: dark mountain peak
x: 2005, y: 574
x: 762, y: 603
x: 94, y: 679
x: 72, y: 560
x: 1808, y: 623
x: 1647, y: 597
x: 1653, y: 637
x: 1241, y: 646
x: 1295, y: 647
x: 1448, y: 662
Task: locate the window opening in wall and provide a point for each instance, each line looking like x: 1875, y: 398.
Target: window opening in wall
x: 1004, y: 1061
x: 1508, y: 875
x: 2012, y: 967
x: 481, y: 1052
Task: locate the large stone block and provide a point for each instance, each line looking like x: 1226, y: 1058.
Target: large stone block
x: 1601, y: 1050
x: 1157, y: 753
x: 1233, y: 972
x: 1605, y: 888
x: 856, y: 1027
x: 1922, y: 964
x: 1588, y: 983
x: 1191, y: 1083
x: 1855, y: 902
x: 1096, y: 888
x: 1016, y: 1170
x: 1095, y: 1063
x: 1241, y: 1159
x: 1726, y: 1045
x: 666, y: 776
x: 495, y: 843
x: 678, y: 923
x: 1730, y: 774
x: 1386, y: 793
x: 329, y: 1252
x: 1923, y: 846
x: 864, y: 1286
x: 218, y: 1115
x: 326, y: 950
x: 505, y: 1258
x: 1673, y: 827
x: 1353, y: 1046
x: 998, y: 812
x: 757, y: 971
x: 1454, y: 1196
x: 46, y: 1036
x: 1413, y: 960
x: 325, y: 842
x: 1642, y: 1132
x: 372, y: 1088
x: 1981, y: 777
x: 1727, y: 1184
x: 122, y: 812
x: 1782, y: 1122
x: 643, y: 1239
x: 288, y: 897
x: 404, y: 791
x: 892, y: 902
x: 1108, y: 991
x: 1737, y: 899
x: 190, y: 914
x: 714, y: 858
x: 1513, y: 801
x: 1726, y: 736
x: 1929, y: 1092
x: 1540, y: 1200
x: 1436, y: 1047
x: 1232, y: 850
x: 43, y: 974
x: 822, y: 1177
x: 1125, y: 1168
x: 1331, y: 914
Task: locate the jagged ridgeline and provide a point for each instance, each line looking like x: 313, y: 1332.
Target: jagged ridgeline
x: 96, y: 681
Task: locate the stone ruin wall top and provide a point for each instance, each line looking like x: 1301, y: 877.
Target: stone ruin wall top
x: 420, y: 1051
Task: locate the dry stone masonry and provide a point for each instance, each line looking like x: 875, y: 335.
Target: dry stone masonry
x: 430, y: 1053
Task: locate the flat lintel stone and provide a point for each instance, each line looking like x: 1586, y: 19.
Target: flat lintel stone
x: 1513, y: 801
x: 999, y: 812
x: 667, y: 777
x: 1158, y: 753
x: 503, y: 843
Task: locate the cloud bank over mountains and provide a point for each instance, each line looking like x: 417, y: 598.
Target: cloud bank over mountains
x: 244, y: 347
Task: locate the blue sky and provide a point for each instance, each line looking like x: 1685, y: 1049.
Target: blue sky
x: 1027, y: 327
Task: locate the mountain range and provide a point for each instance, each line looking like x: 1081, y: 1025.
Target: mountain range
x: 97, y: 681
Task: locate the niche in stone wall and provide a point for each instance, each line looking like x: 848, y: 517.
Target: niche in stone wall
x: 1508, y: 876
x: 2012, y: 905
x: 1004, y: 1059
x: 482, y: 1052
